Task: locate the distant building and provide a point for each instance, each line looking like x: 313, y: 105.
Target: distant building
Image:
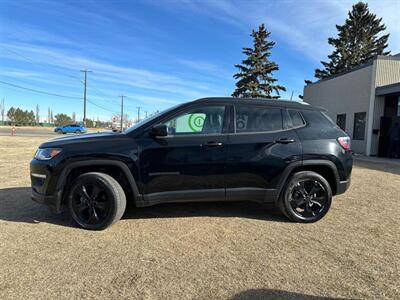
x: 365, y: 102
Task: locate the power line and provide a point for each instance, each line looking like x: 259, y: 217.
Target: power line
x: 102, y: 107
x: 53, y: 69
x: 56, y: 70
x: 52, y: 94
x: 103, y: 94
x: 38, y: 91
x: 39, y: 64
x: 70, y: 76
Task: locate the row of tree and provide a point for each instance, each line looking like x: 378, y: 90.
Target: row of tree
x: 64, y: 119
x: 19, y: 117
x: 357, y: 42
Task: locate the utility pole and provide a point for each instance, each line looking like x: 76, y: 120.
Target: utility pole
x: 291, y: 96
x: 84, y: 96
x: 146, y: 114
x: 122, y: 111
x: 138, y: 113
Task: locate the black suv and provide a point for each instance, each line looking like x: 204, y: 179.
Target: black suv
x: 213, y: 149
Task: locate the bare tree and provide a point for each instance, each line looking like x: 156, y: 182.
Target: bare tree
x: 2, y: 108
x: 37, y: 114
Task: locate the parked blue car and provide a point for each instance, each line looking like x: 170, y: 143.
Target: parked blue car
x: 72, y: 128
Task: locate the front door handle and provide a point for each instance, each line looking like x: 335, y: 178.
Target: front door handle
x: 284, y: 141
x: 211, y: 144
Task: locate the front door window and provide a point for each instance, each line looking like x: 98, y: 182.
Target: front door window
x: 199, y: 120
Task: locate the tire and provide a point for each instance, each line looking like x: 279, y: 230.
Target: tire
x: 306, y: 197
x: 77, y: 131
x: 96, y: 201
x: 59, y: 131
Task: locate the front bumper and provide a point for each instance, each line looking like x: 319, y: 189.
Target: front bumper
x: 342, y: 186
x: 51, y: 201
x: 43, y: 182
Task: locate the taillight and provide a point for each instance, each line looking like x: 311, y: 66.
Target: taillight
x: 345, y: 142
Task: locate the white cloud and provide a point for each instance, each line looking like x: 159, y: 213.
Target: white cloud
x: 20, y: 33
x: 58, y: 60
x: 303, y: 25
x: 18, y: 73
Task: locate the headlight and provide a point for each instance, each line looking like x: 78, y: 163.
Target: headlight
x: 46, y: 153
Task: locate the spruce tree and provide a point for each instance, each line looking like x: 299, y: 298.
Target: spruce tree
x: 357, y: 42
x: 255, y: 78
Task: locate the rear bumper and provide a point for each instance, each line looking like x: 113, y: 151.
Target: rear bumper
x: 51, y: 201
x: 342, y: 186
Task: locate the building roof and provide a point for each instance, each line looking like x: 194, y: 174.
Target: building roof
x: 367, y: 64
x: 388, y: 89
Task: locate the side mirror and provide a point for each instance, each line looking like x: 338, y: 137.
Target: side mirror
x: 159, y: 130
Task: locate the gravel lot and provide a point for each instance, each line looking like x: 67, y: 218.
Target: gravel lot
x: 212, y: 250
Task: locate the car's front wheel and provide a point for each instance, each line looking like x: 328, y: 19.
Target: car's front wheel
x: 77, y: 131
x: 96, y: 201
x: 307, y: 197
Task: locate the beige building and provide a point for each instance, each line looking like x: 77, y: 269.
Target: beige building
x: 365, y: 102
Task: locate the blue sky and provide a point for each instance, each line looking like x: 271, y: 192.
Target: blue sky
x: 158, y: 53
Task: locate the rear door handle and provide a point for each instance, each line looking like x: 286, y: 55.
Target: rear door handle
x: 284, y: 141
x: 211, y: 144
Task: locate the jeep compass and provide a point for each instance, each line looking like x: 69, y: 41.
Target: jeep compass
x: 212, y: 149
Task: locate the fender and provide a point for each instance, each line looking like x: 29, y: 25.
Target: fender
x: 67, y: 170
x: 328, y: 163
x: 312, y: 162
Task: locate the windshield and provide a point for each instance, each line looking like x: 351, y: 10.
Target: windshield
x: 149, y: 119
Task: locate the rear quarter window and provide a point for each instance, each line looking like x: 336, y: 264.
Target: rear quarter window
x: 297, y: 119
x: 317, y: 118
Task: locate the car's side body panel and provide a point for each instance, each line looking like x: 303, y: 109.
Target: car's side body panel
x: 255, y: 164
x: 319, y: 140
x: 175, y: 164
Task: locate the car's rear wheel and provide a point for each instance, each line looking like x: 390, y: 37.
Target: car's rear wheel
x: 96, y: 201
x: 306, y: 198
x: 77, y: 131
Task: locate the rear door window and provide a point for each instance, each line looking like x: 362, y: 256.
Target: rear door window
x: 251, y: 118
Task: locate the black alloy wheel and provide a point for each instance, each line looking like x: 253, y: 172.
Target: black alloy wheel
x: 96, y: 201
x: 307, y: 197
